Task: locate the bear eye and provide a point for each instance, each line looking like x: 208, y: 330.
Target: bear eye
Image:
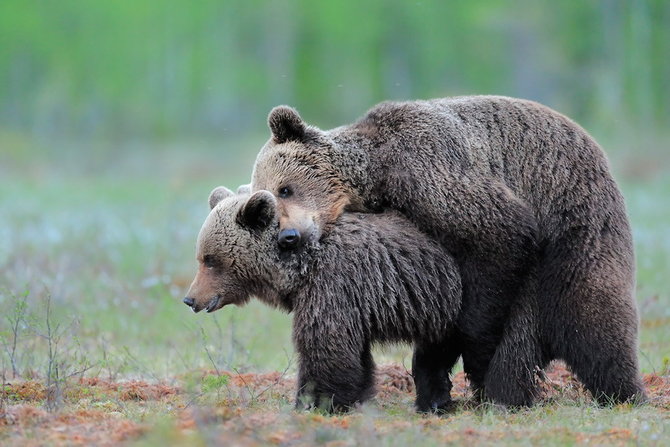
x: 210, y: 261
x: 285, y: 192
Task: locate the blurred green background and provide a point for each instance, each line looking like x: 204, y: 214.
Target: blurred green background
x: 117, y: 119
x: 168, y: 69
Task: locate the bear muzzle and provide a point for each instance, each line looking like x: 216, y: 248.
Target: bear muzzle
x: 211, y: 306
x: 289, y: 238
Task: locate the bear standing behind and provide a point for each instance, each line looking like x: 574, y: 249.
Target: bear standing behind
x: 373, y: 279
x: 523, y: 199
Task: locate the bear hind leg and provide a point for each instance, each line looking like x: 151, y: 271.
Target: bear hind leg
x: 607, y: 368
x: 591, y: 324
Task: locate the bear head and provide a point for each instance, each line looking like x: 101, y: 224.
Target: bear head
x: 238, y: 256
x: 296, y: 166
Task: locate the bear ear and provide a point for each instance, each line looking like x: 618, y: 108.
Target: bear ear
x: 244, y: 189
x: 218, y: 194
x: 286, y: 124
x: 259, y: 211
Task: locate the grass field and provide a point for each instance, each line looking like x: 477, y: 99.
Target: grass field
x: 97, y: 250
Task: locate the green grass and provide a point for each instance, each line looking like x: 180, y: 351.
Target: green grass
x: 107, y: 234
x: 649, y: 210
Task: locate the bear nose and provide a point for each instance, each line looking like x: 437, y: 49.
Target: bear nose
x: 289, y: 238
x: 189, y: 301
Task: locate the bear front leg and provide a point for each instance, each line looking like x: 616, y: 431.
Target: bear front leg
x: 512, y: 374
x: 336, y: 371
x: 499, y: 320
x: 431, y: 366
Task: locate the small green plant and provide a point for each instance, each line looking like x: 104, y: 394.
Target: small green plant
x: 17, y: 319
x: 214, y: 383
x: 64, y: 360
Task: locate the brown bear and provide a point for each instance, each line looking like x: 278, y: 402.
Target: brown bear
x: 375, y: 278
x: 518, y: 193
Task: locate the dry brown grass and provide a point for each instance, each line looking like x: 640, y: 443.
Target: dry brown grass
x: 255, y: 409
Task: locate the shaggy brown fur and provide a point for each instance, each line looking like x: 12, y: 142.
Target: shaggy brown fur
x: 522, y: 197
x: 373, y: 279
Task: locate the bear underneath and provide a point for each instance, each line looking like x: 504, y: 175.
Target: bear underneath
x: 523, y: 199
x: 374, y: 279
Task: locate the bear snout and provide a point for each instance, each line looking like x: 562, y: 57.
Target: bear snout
x: 289, y: 238
x: 190, y: 302
x: 195, y: 307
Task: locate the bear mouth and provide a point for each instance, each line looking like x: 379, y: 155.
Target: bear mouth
x: 214, y: 304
